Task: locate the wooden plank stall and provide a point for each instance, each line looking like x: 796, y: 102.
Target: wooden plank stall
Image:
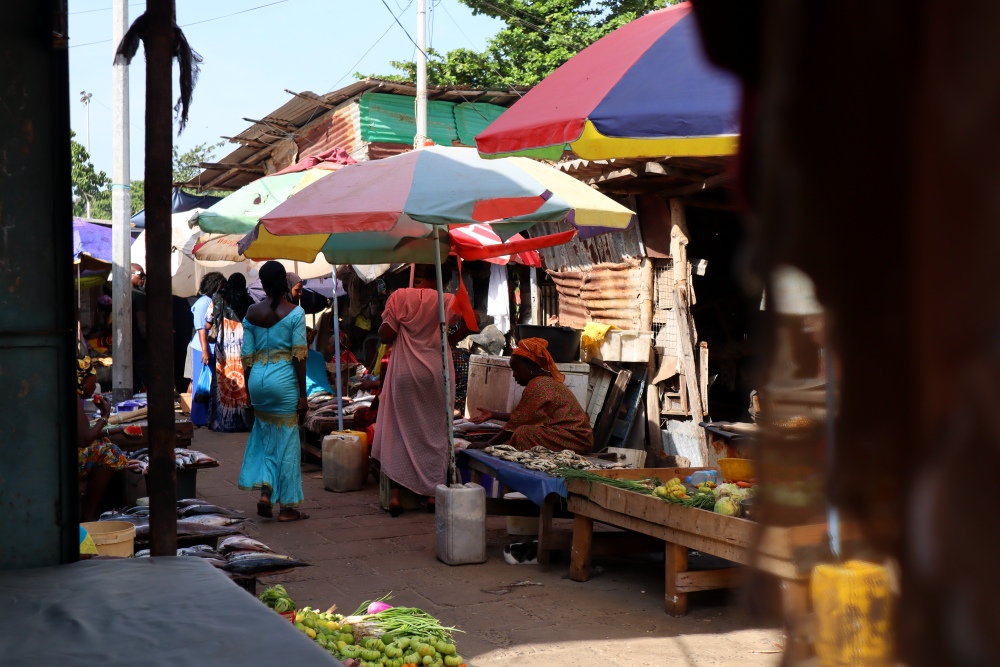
x: 740, y: 541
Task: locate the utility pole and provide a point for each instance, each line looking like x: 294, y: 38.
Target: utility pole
x: 121, y: 232
x: 420, y: 140
x: 85, y: 98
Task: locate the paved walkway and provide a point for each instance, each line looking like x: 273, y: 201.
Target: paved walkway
x: 359, y: 553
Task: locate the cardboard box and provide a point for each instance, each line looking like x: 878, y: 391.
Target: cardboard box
x: 185, y: 403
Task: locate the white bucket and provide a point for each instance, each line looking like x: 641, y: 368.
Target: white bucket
x: 521, y: 525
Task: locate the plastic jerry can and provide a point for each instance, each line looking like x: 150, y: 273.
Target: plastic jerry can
x: 460, y: 523
x: 343, y: 462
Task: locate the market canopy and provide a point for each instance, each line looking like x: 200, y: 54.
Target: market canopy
x: 645, y: 90
x: 386, y: 210
x: 180, y: 202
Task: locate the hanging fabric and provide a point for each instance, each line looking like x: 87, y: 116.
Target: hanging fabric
x: 498, y: 300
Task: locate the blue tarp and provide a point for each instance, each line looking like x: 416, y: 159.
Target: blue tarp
x: 180, y: 201
x: 535, y: 485
x: 92, y: 239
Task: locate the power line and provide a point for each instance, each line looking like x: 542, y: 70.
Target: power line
x: 216, y: 18
x: 103, y: 9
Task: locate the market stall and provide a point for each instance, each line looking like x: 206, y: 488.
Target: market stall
x: 684, y: 527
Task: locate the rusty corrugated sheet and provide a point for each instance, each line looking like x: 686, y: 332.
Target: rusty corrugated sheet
x: 379, y: 151
x: 337, y: 130
x: 578, y: 255
x: 609, y: 293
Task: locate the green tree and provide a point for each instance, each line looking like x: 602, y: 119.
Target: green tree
x: 186, y: 163
x: 185, y: 167
x: 88, y: 184
x: 540, y: 36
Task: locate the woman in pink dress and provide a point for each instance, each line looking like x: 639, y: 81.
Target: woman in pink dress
x: 411, y: 434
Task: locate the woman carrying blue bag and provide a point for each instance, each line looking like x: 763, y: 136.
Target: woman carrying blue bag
x: 201, y: 348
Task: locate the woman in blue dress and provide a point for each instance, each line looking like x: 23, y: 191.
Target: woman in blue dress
x: 274, y: 362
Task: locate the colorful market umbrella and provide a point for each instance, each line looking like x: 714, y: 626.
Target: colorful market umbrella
x: 388, y: 210
x: 240, y: 211
x: 645, y: 90
x: 394, y: 209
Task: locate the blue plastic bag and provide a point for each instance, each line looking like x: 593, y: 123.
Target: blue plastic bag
x: 203, y: 390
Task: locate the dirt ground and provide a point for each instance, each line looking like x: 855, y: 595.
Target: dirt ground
x: 511, y: 614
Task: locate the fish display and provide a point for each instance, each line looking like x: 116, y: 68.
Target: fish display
x: 242, y: 543
x: 258, y: 562
x: 194, y: 510
x: 217, y: 520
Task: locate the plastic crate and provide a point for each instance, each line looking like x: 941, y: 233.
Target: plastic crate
x: 626, y: 346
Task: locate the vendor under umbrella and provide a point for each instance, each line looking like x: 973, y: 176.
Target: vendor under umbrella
x: 548, y: 414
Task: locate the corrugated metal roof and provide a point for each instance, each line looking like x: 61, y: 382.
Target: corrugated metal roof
x: 580, y: 255
x: 471, y: 119
x: 609, y: 293
x: 390, y: 119
x: 301, y: 115
x: 341, y: 130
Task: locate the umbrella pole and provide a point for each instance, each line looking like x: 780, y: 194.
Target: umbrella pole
x: 336, y: 354
x: 445, y: 353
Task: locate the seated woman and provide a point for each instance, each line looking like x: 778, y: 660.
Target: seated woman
x: 548, y: 413
x: 98, y: 457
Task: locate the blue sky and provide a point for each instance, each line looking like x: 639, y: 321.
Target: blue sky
x: 252, y: 57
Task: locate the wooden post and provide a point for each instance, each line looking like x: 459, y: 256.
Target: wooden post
x: 675, y: 602
x: 703, y: 374
x: 646, y: 295
x: 684, y: 325
x: 582, y: 551
x: 654, y: 437
x: 162, y: 478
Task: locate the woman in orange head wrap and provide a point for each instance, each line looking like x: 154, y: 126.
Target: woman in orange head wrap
x: 548, y: 413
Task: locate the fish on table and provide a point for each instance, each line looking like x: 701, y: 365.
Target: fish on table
x: 242, y: 543
x: 257, y: 562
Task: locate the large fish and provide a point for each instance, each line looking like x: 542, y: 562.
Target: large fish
x: 199, y: 550
x: 242, y: 543
x: 213, y: 520
x: 194, y: 510
x: 255, y: 563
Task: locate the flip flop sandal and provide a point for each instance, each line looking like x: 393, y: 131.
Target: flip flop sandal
x: 264, y: 509
x: 299, y: 516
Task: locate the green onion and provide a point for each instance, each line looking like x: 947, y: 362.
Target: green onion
x: 638, y: 486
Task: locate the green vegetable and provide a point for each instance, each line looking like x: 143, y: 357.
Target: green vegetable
x: 428, y: 660
x: 411, y: 658
x: 370, y: 654
x: 727, y: 506
x: 644, y: 487
x: 704, y: 501
x: 453, y: 660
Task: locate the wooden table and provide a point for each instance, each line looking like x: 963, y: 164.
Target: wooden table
x: 743, y: 542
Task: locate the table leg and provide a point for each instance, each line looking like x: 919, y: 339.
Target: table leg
x: 676, y: 557
x: 795, y: 605
x: 477, y: 477
x: 545, y: 529
x: 583, y: 543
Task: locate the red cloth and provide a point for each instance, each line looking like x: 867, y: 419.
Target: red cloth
x: 335, y: 158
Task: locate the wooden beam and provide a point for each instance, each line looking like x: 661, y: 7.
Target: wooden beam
x: 234, y: 166
x: 252, y: 143
x: 708, y: 184
x: 275, y: 123
x: 312, y: 98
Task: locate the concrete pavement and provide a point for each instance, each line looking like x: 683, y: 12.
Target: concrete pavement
x: 359, y: 552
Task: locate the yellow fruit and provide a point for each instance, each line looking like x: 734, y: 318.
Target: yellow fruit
x: 299, y: 617
x: 311, y: 633
x: 331, y: 625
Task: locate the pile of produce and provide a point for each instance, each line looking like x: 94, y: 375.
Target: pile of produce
x: 724, y: 499
x: 376, y: 635
x: 277, y: 599
x: 544, y: 459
